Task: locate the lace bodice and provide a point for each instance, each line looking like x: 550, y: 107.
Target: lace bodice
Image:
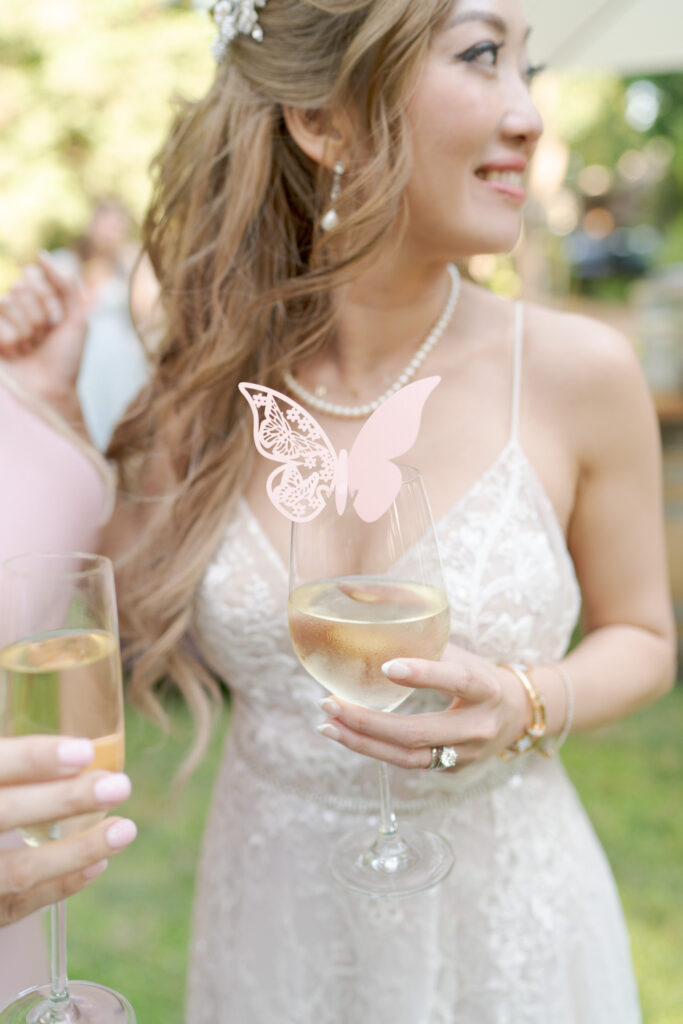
x: 513, y: 596
x: 527, y: 929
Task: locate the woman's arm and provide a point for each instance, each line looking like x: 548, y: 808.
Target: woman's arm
x: 616, y: 537
x: 42, y: 780
x: 627, y: 656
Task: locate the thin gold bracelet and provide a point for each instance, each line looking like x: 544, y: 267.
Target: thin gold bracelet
x: 549, y: 747
x: 536, y: 731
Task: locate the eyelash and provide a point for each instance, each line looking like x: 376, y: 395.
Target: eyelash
x: 533, y: 71
x: 474, y: 52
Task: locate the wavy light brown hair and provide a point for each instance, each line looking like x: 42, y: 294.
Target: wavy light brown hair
x: 246, y: 277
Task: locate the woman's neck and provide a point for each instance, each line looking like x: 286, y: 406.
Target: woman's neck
x: 384, y: 318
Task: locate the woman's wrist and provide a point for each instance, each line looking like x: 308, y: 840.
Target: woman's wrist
x: 554, y: 694
x: 563, y: 708
x: 61, y: 398
x: 541, y: 708
x: 534, y: 733
x: 518, y: 709
x: 67, y: 404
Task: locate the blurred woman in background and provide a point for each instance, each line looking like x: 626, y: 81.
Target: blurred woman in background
x: 60, y: 494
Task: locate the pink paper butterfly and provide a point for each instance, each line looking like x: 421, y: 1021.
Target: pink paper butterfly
x: 311, y: 470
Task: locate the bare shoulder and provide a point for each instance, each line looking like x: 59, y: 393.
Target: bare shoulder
x: 581, y: 348
x: 593, y: 372
x: 573, y: 348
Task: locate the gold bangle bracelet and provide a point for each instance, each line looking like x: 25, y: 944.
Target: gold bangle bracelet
x: 533, y: 735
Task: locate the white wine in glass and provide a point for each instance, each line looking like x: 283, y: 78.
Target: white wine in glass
x: 60, y: 673
x: 343, y: 630
x: 362, y: 594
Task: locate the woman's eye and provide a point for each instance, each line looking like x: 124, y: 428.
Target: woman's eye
x: 533, y: 71
x: 485, y: 54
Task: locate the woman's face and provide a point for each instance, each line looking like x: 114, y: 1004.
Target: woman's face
x: 474, y: 130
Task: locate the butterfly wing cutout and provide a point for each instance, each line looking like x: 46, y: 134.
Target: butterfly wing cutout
x: 286, y: 433
x: 390, y: 432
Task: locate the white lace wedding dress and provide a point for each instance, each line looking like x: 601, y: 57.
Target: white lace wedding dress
x: 527, y: 929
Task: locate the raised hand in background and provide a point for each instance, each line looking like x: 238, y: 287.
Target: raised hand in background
x: 43, y: 326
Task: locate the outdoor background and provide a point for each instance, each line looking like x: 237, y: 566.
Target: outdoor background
x: 86, y: 91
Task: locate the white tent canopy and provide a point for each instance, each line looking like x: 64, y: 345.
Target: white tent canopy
x: 628, y: 36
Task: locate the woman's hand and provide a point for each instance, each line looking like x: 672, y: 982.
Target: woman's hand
x: 41, y: 780
x: 43, y: 326
x: 488, y: 710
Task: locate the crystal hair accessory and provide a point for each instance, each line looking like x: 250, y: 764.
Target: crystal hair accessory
x: 311, y: 471
x: 234, y: 18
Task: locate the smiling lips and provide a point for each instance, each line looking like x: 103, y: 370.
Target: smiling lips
x: 509, y: 181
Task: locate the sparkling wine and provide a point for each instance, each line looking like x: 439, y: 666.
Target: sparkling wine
x: 66, y: 682
x: 344, y: 630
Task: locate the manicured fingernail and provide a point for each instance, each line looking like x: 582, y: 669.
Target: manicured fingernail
x: 121, y: 834
x: 76, y: 753
x: 330, y: 731
x: 396, y: 670
x: 330, y: 707
x: 95, y: 869
x: 113, y: 788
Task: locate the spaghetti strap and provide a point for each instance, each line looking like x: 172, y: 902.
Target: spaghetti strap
x: 517, y: 372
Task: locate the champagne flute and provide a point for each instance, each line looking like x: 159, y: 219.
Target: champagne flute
x: 60, y: 673
x: 360, y: 594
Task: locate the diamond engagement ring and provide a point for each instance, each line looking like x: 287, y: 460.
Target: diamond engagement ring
x: 442, y: 758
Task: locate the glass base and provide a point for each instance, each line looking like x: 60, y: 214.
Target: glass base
x: 88, y: 1004
x: 407, y: 862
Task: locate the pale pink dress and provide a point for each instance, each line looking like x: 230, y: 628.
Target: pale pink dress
x: 56, y: 493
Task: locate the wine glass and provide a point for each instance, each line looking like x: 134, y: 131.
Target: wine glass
x: 361, y: 594
x: 60, y: 673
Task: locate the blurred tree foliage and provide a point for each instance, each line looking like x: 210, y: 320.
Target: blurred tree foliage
x: 669, y: 197
x: 85, y: 99
x: 592, y: 118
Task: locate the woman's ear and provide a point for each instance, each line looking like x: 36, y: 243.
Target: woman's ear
x: 322, y: 137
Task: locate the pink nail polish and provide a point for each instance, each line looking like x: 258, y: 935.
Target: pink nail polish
x: 112, y: 789
x: 121, y: 834
x: 76, y: 753
x: 95, y: 869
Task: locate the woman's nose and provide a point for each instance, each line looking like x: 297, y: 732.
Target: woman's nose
x: 523, y: 121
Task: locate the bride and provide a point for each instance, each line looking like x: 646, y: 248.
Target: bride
x: 305, y: 216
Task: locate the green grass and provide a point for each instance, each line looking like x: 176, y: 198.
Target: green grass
x: 130, y: 929
x: 630, y: 777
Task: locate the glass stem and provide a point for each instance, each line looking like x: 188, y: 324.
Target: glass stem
x: 59, y: 990
x: 387, y: 819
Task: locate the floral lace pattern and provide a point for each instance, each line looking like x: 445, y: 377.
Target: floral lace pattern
x: 527, y: 929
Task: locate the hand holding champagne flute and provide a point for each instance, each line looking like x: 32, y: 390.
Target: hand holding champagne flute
x: 43, y: 777
x: 60, y: 673
x: 362, y: 593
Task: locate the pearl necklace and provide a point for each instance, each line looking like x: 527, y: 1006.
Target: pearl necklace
x: 357, y: 412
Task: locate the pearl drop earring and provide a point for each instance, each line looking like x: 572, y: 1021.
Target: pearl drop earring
x: 331, y: 219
